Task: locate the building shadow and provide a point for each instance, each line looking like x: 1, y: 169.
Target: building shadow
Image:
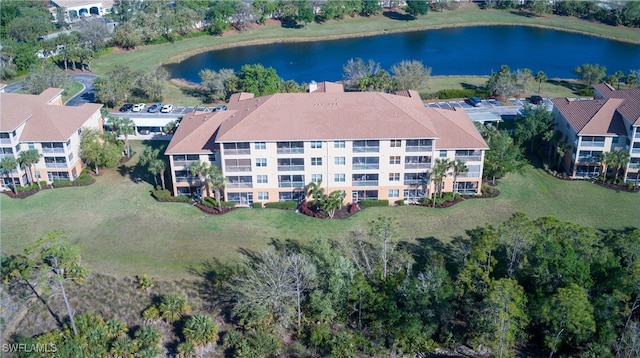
x: 394, y: 15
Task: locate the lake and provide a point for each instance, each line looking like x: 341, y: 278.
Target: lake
x: 452, y: 51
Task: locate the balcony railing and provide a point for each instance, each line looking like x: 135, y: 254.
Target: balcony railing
x: 237, y: 151
x: 419, y: 148
x: 588, y: 159
x: 237, y: 185
x: 366, y: 166
x: 466, y: 191
x: 364, y: 183
x: 413, y: 182
x: 366, y: 149
x: 295, y: 150
x: 290, y: 184
x: 7, y: 155
x: 637, y: 136
x: 417, y: 165
x: 635, y: 150
x: 592, y: 144
x: 5, y: 140
x: 190, y: 180
x: 469, y: 175
x: 55, y: 165
x: 183, y: 163
x: 469, y: 158
x: 634, y: 166
x: 290, y: 168
x: 238, y: 168
x: 52, y: 150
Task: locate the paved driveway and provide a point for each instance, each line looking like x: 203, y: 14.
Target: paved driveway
x: 87, y: 95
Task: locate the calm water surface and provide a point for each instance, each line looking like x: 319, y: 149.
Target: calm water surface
x: 455, y: 51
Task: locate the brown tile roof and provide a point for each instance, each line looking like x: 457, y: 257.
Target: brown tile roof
x: 196, y: 132
x: 630, y: 108
x: 44, y: 122
x: 330, y: 87
x: 456, y: 130
x: 592, y: 117
x: 318, y: 115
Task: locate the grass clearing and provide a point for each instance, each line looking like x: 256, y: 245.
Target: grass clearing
x: 122, y: 231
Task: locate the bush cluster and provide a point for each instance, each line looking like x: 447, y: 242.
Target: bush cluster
x: 461, y: 93
x: 256, y: 205
x: 370, y: 203
x: 82, y: 180
x: 289, y: 205
x: 165, y: 195
x: 446, y: 197
x: 212, y: 203
x: 30, y: 187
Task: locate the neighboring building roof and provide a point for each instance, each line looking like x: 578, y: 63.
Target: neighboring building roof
x: 592, y: 117
x: 324, y: 116
x: 630, y: 108
x: 73, y: 3
x: 44, y: 121
x: 456, y: 130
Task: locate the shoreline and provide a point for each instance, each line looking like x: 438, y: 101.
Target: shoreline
x: 181, y: 57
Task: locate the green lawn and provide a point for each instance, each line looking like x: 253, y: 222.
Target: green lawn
x: 73, y: 89
x: 122, y: 231
x: 553, y: 88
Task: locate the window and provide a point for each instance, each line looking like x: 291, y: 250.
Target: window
x: 339, y: 160
x: 239, y: 181
x: 291, y: 181
x: 394, y: 193
x: 70, y: 157
x: 615, y: 140
x: 68, y: 143
x: 316, y: 161
x: 261, y: 162
x: 262, y: 179
x: 443, y: 154
x: 31, y: 146
x: 263, y: 195
x: 212, y: 158
x: 316, y: 178
x: 394, y: 159
x: 360, y: 146
x: 365, y: 162
x: 315, y: 144
x: 396, y: 143
x: 261, y: 145
x: 236, y: 148
x: 290, y: 196
x: 339, y: 178
x: 394, y: 176
x: 79, y: 131
x: 338, y: 144
x: 419, y: 145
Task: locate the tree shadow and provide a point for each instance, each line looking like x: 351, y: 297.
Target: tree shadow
x: 428, y: 251
x: 574, y: 87
x: 215, y: 275
x: 469, y: 86
x: 394, y: 15
x: 197, y: 92
x: 523, y: 13
x: 290, y: 23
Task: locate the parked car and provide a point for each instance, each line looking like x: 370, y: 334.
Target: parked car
x: 535, y: 99
x: 126, y: 107
x: 167, y: 108
x: 154, y: 108
x: 221, y: 107
x: 138, y: 107
x: 474, y: 101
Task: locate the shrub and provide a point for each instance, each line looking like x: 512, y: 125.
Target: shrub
x: 400, y: 202
x: 211, y: 202
x: 289, y: 205
x: 83, y: 179
x: 370, y: 203
x: 62, y: 183
x: 461, y: 93
x: 165, y: 195
x: 256, y: 205
x: 586, y: 92
x: 22, y: 189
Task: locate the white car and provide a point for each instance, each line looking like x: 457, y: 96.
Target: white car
x: 138, y: 107
x: 167, y: 108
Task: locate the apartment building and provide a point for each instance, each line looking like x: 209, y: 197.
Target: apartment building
x: 370, y: 145
x: 42, y: 122
x: 610, y: 121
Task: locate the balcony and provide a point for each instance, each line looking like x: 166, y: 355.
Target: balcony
x: 188, y: 179
x: 413, y: 182
x: 5, y: 140
x: 183, y: 163
x: 55, y: 165
x: 239, y: 185
x: 637, y: 135
x: 290, y: 168
x: 419, y: 148
x: 291, y: 184
x: 469, y: 158
x: 366, y: 149
x: 470, y: 175
x: 293, y: 150
x: 53, y: 150
x: 366, y: 166
x: 591, y: 159
x: 238, y: 168
x: 417, y: 165
x: 635, y: 150
x: 592, y: 144
x: 634, y: 166
x: 364, y: 183
x: 240, y: 151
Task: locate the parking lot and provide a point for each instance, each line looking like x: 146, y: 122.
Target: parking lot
x: 489, y: 106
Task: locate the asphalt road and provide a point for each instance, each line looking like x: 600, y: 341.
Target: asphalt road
x: 87, y: 95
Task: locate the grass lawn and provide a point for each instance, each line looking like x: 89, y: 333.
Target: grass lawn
x: 122, y: 231
x: 73, y: 89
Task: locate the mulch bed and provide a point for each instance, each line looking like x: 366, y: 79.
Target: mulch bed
x: 215, y: 211
x: 618, y: 188
x: 342, y: 213
x: 25, y: 194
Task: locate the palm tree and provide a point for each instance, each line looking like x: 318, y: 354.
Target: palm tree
x: 125, y: 128
x: 561, y: 149
x: 215, y: 180
x: 540, y: 77
x: 620, y: 160
x: 29, y: 158
x: 316, y: 192
x: 332, y: 202
x: 173, y: 307
x: 458, y: 166
x: 606, y: 159
x: 197, y: 169
x: 157, y: 167
x: 200, y: 329
x: 439, y: 172
x: 8, y: 165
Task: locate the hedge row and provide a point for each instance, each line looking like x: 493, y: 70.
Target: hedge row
x: 370, y: 203
x: 165, y: 195
x: 82, y: 180
x: 33, y: 186
x: 212, y: 203
x: 256, y: 205
x: 446, y: 197
x: 461, y: 93
x: 290, y: 205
